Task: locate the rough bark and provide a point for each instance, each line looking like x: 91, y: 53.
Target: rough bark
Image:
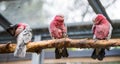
x: 67, y: 42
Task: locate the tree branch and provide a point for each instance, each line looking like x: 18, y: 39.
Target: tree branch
x: 69, y: 43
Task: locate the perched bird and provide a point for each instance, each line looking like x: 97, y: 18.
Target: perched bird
x: 58, y: 30
x: 23, y: 35
x: 102, y: 30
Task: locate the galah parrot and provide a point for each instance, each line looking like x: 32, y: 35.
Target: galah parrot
x: 58, y: 30
x: 102, y: 30
x: 22, y: 32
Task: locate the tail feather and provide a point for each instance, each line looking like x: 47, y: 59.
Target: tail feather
x: 94, y: 56
x: 20, y: 50
x: 65, y: 52
x: 101, y: 54
x: 57, y: 53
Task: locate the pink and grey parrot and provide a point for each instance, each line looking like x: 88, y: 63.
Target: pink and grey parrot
x: 23, y: 34
x: 102, y: 30
x: 58, y: 30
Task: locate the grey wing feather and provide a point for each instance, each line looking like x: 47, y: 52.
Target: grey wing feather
x: 20, y: 48
x: 27, y: 34
x: 23, y: 38
x: 110, y: 32
x: 94, y: 36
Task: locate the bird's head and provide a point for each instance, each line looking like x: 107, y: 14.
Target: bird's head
x: 98, y: 19
x: 59, y: 19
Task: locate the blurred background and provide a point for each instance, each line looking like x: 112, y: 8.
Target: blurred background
x: 78, y: 18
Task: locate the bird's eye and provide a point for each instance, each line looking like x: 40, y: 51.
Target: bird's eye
x: 61, y: 16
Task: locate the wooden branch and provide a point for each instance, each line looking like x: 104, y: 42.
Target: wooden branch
x: 65, y: 42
